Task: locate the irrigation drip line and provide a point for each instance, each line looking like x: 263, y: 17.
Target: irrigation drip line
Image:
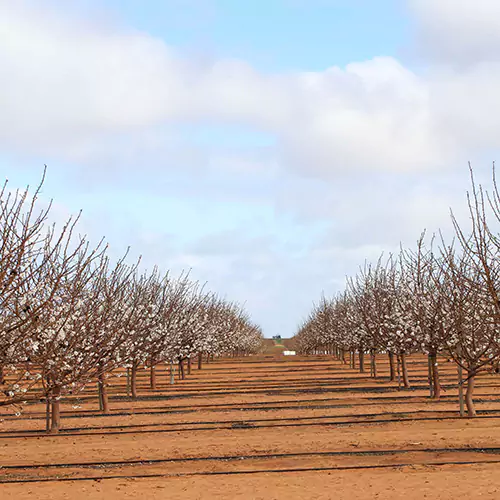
x: 251, y: 384
x: 264, y: 382
x: 393, y: 400
x: 255, y: 471
x: 326, y: 369
x: 256, y: 420
x: 264, y: 392
x: 242, y: 426
x: 229, y: 458
x: 185, y: 409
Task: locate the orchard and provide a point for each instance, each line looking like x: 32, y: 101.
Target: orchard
x: 118, y: 382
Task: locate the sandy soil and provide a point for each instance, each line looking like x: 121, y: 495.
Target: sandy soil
x: 261, y: 428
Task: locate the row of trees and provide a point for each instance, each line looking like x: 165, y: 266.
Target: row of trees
x: 437, y: 299
x: 69, y: 316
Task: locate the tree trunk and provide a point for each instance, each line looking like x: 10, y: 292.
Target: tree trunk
x: 391, y: 367
x: 2, y: 375
x: 133, y: 381
x: 373, y: 363
x: 103, y: 392
x: 471, y: 411
x: 429, y: 375
x: 399, y: 371
x: 404, y: 368
x: 152, y: 376
x: 200, y: 360
x: 435, y: 377
x: 461, y: 390
x: 55, y: 422
x: 47, y: 412
x: 181, y: 369
x: 361, y: 361
x: 172, y: 374
x: 189, y: 366
x: 99, y: 395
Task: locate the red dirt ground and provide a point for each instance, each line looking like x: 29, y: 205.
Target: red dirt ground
x: 261, y: 428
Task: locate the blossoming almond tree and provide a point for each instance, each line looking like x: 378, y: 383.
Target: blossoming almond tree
x: 63, y: 339
x: 34, y: 259
x: 425, y: 273
x: 470, y: 318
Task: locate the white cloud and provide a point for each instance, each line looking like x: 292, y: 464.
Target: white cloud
x: 460, y: 32
x: 73, y: 88
x: 373, y: 115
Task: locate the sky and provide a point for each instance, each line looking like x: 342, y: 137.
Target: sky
x: 271, y: 146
